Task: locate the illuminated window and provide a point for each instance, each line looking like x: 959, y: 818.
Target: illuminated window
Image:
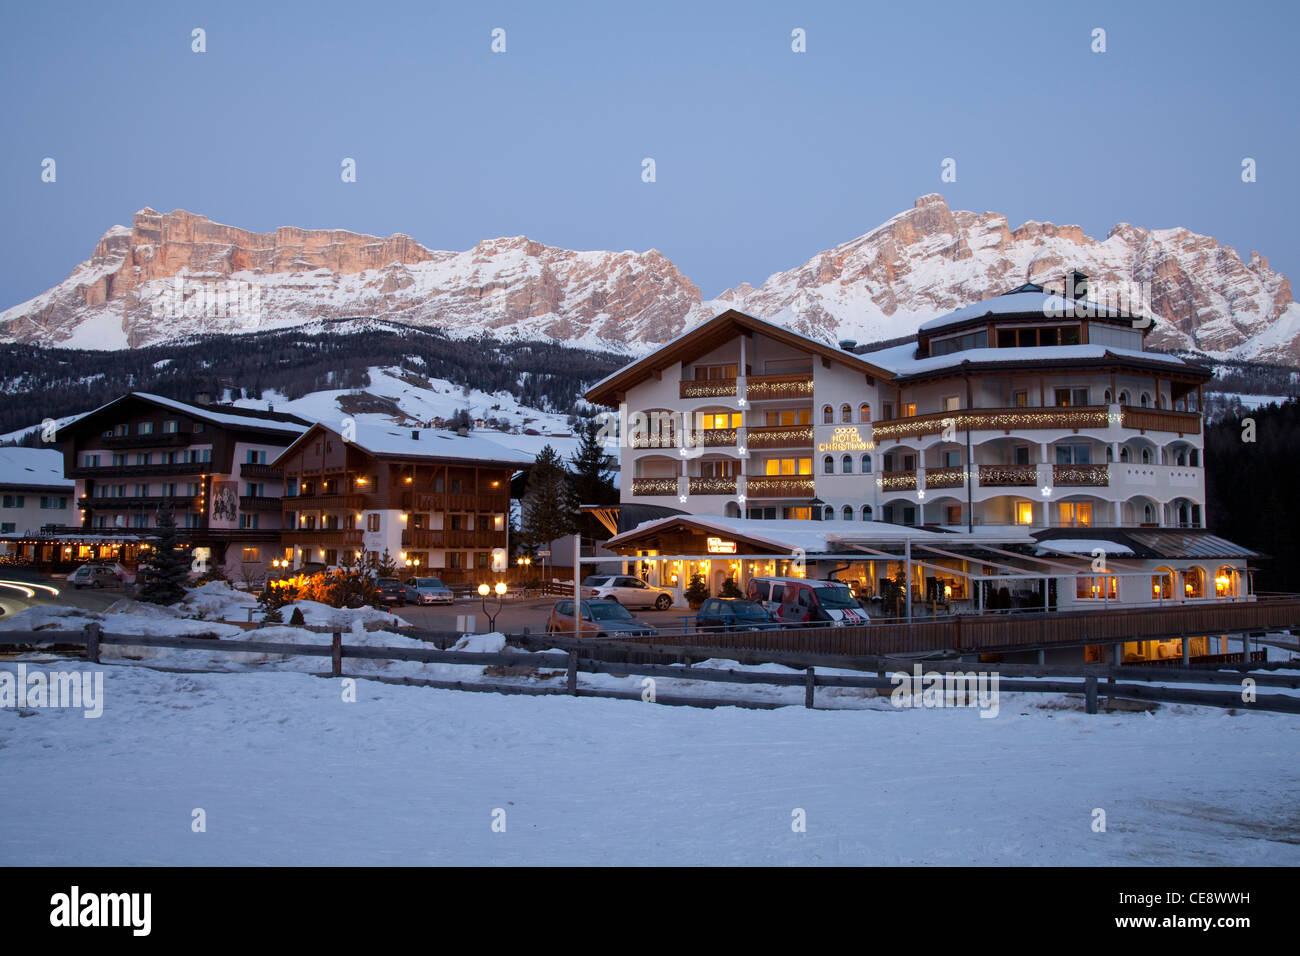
x: 907, y: 410
x: 1072, y: 514
x: 1223, y: 582
x: 790, y: 416
x: 846, y: 414
x: 1101, y: 587
x: 714, y: 420
x: 788, y: 466
x: 1194, y: 583
x: 864, y: 412
x: 828, y: 415
x: 1162, y: 585
x: 1024, y: 512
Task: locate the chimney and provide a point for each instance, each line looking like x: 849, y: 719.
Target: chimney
x: 202, y: 398
x: 1076, y: 285
x: 848, y: 344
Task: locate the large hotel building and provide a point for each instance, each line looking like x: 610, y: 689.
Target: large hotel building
x: 1022, y: 438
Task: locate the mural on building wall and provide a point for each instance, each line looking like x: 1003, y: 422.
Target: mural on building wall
x: 225, y: 503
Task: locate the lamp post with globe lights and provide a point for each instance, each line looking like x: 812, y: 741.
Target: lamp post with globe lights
x: 484, y: 592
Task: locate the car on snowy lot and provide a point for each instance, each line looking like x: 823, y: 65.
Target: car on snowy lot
x: 100, y: 575
x: 627, y: 590
x: 599, y: 619
x: 734, y: 614
x: 428, y: 591
x: 390, y: 591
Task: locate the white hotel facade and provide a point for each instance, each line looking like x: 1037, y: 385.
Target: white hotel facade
x: 1023, y: 419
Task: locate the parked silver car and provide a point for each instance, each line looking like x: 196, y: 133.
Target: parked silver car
x: 427, y: 591
x: 627, y: 590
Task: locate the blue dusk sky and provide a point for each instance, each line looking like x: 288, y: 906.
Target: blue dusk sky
x: 764, y: 157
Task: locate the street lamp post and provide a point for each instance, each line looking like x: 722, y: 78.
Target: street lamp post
x: 484, y: 591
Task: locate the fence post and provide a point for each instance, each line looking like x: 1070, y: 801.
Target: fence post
x: 92, y: 642
x: 336, y: 654
x: 573, y: 673
x: 809, y: 688
x: 1090, y: 694
x: 1187, y: 652
x: 1245, y: 647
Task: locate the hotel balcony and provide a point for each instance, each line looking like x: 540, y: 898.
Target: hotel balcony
x: 778, y: 436
x: 453, y: 538
x: 897, y: 480
x: 1031, y: 418
x: 344, y: 502
x: 712, y: 486
x: 156, y: 440
x: 1081, y: 475
x: 707, y: 388
x: 133, y: 502
x: 157, y: 469
x: 250, y: 469
x: 259, y: 503
x: 454, y: 501
x: 1007, y: 476
x: 323, y: 537
x: 762, y: 388
x: 780, y: 486
x: 652, y: 487
x: 949, y: 477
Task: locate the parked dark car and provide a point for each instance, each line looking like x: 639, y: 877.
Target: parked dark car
x: 734, y: 614
x: 391, y: 591
x: 599, y: 619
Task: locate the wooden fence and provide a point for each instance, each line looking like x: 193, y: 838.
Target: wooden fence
x: 993, y: 633
x: 593, y: 657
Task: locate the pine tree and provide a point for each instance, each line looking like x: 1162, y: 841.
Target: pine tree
x: 590, y: 478
x: 386, y: 567
x: 166, y: 572
x: 547, y: 504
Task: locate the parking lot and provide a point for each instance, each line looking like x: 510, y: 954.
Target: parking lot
x: 515, y: 615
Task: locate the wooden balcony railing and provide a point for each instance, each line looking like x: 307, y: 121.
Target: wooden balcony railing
x: 654, y: 486
x: 707, y: 388
x: 1006, y: 420
x: 762, y: 388
x: 712, y: 486
x: 712, y: 438
x: 779, y: 436
x: 135, y: 502
x: 439, y: 501
x: 1008, y: 476
x: 1161, y: 420
x: 250, y: 469
x: 323, y: 537
x: 898, y: 481
x: 345, y: 502
x: 453, y: 538
x: 1091, y: 475
x: 780, y: 486
x: 258, y: 503
x: 154, y: 440
x: 953, y: 476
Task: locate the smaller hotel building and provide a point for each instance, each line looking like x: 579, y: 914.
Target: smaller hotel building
x: 1018, y: 438
x: 436, y: 501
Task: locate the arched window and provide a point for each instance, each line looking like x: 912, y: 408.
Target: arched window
x: 1146, y: 456
x: 1123, y: 398
x: 846, y: 414
x: 864, y: 412
x: 1225, y: 582
x: 1194, y: 583
x: 1110, y: 453
x: 1145, y: 400
x: 828, y: 465
x: 1194, y: 458
x: 1162, y: 585
x: 1107, y: 396
x: 846, y: 465
x: 828, y: 513
x: 732, y: 510
x: 866, y: 512
x: 1148, y: 516
x: 828, y: 415
x: 1124, y: 454
x: 866, y: 464
x: 848, y: 512
x: 1184, y: 517
x: 1180, y: 458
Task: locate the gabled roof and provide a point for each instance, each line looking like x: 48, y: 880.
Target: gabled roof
x: 226, y: 416
x: 1030, y: 301
x: 706, y: 337
x: 394, y: 441
x: 906, y: 367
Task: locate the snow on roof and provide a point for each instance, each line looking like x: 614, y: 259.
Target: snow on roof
x: 395, y: 440
x: 233, y: 416
x: 33, y: 466
x: 900, y: 358
x: 1015, y: 303
x: 817, y: 537
x: 1082, y: 546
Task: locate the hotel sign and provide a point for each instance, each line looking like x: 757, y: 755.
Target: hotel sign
x: 718, y: 546
x: 846, y: 439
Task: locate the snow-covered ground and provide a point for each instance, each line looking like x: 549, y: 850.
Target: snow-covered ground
x: 286, y: 772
